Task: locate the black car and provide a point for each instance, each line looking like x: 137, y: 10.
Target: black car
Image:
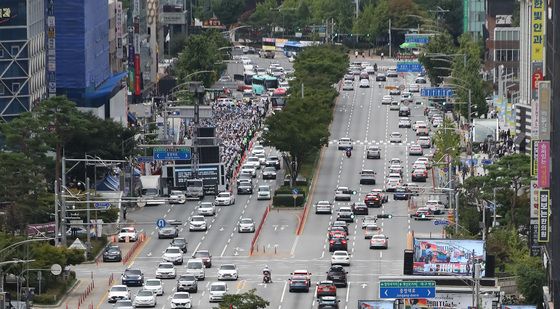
x: 181, y: 243
x: 380, y: 77
x: 244, y: 186
x: 132, y: 277
x: 273, y: 161
x: 328, y: 302
x: 168, y: 232
x: 112, y: 254
x: 187, y: 283
x: 337, y: 274
x: 338, y: 243
x: 360, y: 208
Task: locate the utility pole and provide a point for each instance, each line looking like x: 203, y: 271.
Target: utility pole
x: 63, y: 203
x: 390, y: 40
x: 56, y: 215
x: 88, y: 218
x: 469, y: 110
x: 495, y: 206
x: 483, y: 221
x: 357, y: 7
x: 457, y: 212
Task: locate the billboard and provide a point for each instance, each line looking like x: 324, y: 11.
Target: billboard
x: 518, y: 307
x: 449, y: 300
x: 534, y: 156
x: 447, y: 256
x: 544, y: 215
x: 544, y: 110
x: 376, y: 304
x: 543, y: 164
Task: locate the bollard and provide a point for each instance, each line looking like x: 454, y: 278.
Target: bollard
x: 264, y: 249
x: 275, y: 249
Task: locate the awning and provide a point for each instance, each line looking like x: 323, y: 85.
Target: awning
x: 101, y: 95
x: 109, y: 183
x: 519, y: 138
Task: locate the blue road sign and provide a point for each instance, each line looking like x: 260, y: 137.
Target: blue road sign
x: 407, y: 289
x: 441, y: 222
x: 161, y: 223
x: 101, y: 204
x: 418, y: 40
x: 169, y: 154
x: 295, y: 191
x: 436, y: 92
x: 486, y: 162
x: 403, y: 67
x: 144, y: 159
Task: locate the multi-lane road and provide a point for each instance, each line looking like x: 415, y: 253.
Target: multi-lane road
x: 358, y: 114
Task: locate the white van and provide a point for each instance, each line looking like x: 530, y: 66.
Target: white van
x: 195, y: 267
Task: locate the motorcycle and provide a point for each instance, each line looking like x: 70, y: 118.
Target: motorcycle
x: 348, y: 153
x: 266, y: 277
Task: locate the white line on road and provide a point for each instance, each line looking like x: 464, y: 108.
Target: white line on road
x: 348, y: 292
x: 283, y: 292
x: 197, y: 246
x: 225, y: 247
x: 294, y: 246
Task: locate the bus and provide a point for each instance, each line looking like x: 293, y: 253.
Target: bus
x: 292, y: 48
x: 268, y: 48
x: 279, y: 98
x: 262, y: 83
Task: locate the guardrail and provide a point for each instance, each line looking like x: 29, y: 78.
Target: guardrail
x: 130, y: 253
x: 258, y: 230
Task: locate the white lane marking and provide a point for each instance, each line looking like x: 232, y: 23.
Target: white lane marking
x: 348, y: 292
x: 197, y: 246
x: 292, y: 252
x: 283, y: 292
x: 224, y: 251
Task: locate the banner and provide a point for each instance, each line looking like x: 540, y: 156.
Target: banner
x: 544, y: 214
x: 537, y: 31
x: 543, y: 164
x: 534, y: 156
x: 534, y: 212
x: 544, y: 110
x: 447, y: 256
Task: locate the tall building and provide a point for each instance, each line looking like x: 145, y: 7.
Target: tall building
x: 22, y: 56
x: 523, y: 111
x: 474, y: 17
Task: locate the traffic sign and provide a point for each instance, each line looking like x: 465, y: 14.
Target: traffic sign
x: 144, y: 159
x: 409, y: 66
x: 441, y: 222
x: 101, y: 204
x: 295, y: 191
x: 161, y: 223
x: 407, y: 289
x: 172, y: 154
x: 436, y: 92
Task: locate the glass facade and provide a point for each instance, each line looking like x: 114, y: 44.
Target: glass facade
x: 474, y: 16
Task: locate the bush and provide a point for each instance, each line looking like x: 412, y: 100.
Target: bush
x: 287, y: 200
x: 54, y: 292
x: 288, y: 190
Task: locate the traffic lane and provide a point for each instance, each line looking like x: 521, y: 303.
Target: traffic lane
x: 278, y: 238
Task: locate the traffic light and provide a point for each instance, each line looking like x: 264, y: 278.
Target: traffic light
x: 384, y: 216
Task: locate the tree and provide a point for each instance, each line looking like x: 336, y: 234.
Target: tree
x: 452, y: 20
x: 228, y: 11
x: 447, y: 142
x: 439, y: 44
x: 247, y: 300
x: 265, y: 15
x: 340, y: 11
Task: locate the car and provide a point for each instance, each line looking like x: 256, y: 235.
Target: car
x: 367, y: 177
x: 127, y: 234
x: 348, y: 84
x: 401, y: 193
x: 425, y: 141
x: 380, y: 77
x: 379, y: 241
x: 300, y: 280
x: 123, y: 304
x: 425, y: 161
x: 177, y: 197
x: 371, y: 230
x: 341, y: 224
x: 325, y: 288
x: 373, y: 152
x: 205, y: 256
x: 420, y: 80
x: 166, y: 270
x: 340, y: 257
x: 364, y: 75
x: 217, y: 291
x: 206, y: 209
x: 404, y: 111
x: 132, y: 277
x: 395, y: 91
x: 337, y: 231
x: 112, y: 254
x: 395, y: 169
x: 386, y: 100
x: 338, y: 243
x: 404, y: 123
x: 145, y: 298
x: 415, y: 150
x: 250, y: 170
x: 244, y: 186
x: 328, y: 302
x: 323, y: 207
x: 181, y: 300
x: 180, y: 243
x: 395, y: 137
x: 197, y: 223
x: 395, y: 161
x: 384, y: 197
x: 337, y: 274
x: 272, y: 161
x: 370, y: 69
x: 257, y: 149
x: 423, y: 213
x: 360, y: 208
x: 369, y: 220
x: 154, y: 285
x: 168, y: 232
x: 413, y: 88
x: 173, y: 255
x: 117, y: 292
x: 343, y: 194
x: 224, y: 198
x: 364, y: 83
x: 418, y: 123
x: 228, y: 272
x: 345, y: 143
x: 420, y: 165
x: 349, y: 77
x: 435, y: 206
x: 345, y: 214
x: 419, y: 175
x: 263, y: 193
x: 392, y: 185
x: 262, y: 158
x: 269, y: 172
x: 373, y: 200
x: 394, y: 106
x: 413, y: 188
x: 246, y: 225
x: 392, y: 73
x: 422, y: 131
x: 406, y: 96
x: 187, y: 283
x: 195, y: 267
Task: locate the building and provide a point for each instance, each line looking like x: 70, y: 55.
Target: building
x: 474, y: 17
x: 117, y: 27
x: 523, y: 103
x: 22, y: 56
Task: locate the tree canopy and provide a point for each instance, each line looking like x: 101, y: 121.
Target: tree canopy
x: 247, y: 300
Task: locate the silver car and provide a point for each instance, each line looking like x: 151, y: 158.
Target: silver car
x: 343, y: 194
x: 246, y: 225
x: 395, y: 137
x: 263, y: 193
x: 145, y: 298
x: 322, y: 207
x: 373, y: 152
x: 177, y: 197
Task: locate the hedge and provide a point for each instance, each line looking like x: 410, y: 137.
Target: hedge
x: 287, y: 200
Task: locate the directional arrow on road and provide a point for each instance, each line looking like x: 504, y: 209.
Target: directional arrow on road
x: 364, y: 285
x: 221, y: 229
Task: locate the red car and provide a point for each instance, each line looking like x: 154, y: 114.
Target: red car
x: 326, y: 288
x: 337, y: 231
x: 373, y: 200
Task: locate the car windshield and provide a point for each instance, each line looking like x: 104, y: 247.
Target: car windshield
x: 133, y: 272
x: 378, y: 237
x: 340, y: 253
x: 217, y: 287
x: 118, y: 289
x: 153, y: 283
x: 202, y: 254
x: 228, y: 267
x: 181, y: 296
x: 173, y: 250
x: 145, y: 293
x: 197, y: 219
x: 187, y: 278
x: 166, y: 265
x: 247, y: 221
x: 205, y: 205
x: 224, y: 194
x: 194, y: 265
x: 264, y: 189
x: 371, y: 228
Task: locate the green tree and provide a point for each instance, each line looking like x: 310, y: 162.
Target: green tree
x: 374, y: 19
x: 452, y: 20
x: 341, y: 11
x: 438, y: 46
x: 247, y: 300
x: 265, y: 15
x: 228, y: 11
x: 447, y: 142
x: 531, y: 277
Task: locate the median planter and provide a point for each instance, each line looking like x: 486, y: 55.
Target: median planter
x: 287, y: 200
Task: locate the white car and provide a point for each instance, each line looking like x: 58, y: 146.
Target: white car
x: 340, y: 257
x: 127, y: 233
x: 263, y: 193
x: 224, y: 198
x: 195, y: 267
x: 261, y: 156
x: 117, y: 292
x: 173, y: 255
x: 217, y: 291
x: 348, y: 85
x: 154, y: 285
x: 228, y: 272
x: 395, y: 137
x: 246, y: 225
x: 395, y: 106
x: 197, y: 223
x: 206, y: 209
x: 177, y: 197
x: 181, y: 300
x: 323, y: 207
x: 253, y: 161
x: 414, y: 88
x: 343, y: 194
x: 386, y: 99
x: 249, y: 169
x: 392, y: 185
x: 145, y: 298
x: 166, y: 270
x: 345, y: 143
x: 395, y: 161
x: 426, y: 162
x: 379, y: 241
x: 257, y: 149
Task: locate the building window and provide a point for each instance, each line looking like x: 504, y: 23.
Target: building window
x: 2, y: 90
x: 15, y: 88
x: 15, y: 50
x: 1, y: 52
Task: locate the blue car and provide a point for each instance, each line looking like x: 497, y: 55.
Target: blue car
x: 297, y: 284
x: 401, y: 194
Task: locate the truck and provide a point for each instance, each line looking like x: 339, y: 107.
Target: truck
x: 195, y: 189
x: 151, y: 190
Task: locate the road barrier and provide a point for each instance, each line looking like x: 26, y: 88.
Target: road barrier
x: 258, y: 230
x: 130, y: 253
x: 111, y: 279
x: 85, y: 294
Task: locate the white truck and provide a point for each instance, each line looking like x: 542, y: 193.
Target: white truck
x: 195, y: 189
x: 151, y: 190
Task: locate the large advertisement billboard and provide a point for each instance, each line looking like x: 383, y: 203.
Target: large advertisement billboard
x: 376, y: 304
x: 447, y: 256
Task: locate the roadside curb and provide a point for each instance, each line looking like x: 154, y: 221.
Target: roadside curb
x: 63, y: 299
